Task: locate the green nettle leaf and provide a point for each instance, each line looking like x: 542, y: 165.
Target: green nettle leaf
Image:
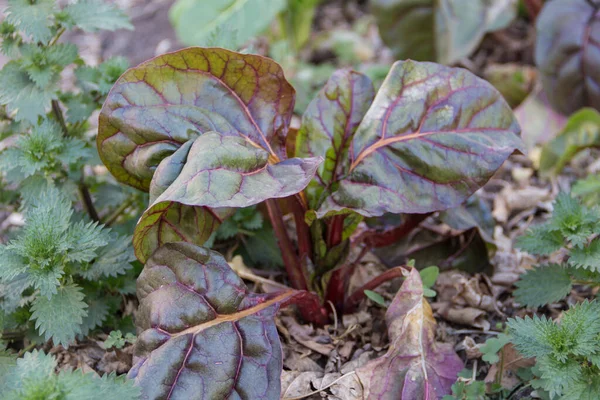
x: 33, y: 377
x: 443, y: 31
x: 561, y: 350
x: 581, y: 132
x: 32, y: 17
x: 587, y: 257
x: 19, y: 93
x: 543, y: 285
x: 197, y: 317
x: 328, y: 126
x: 194, y: 22
x: 566, y: 54
x: 432, y: 136
x: 95, y: 15
x: 59, y: 318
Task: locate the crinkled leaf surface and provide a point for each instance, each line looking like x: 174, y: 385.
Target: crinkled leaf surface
x: 415, y: 366
x: 567, y: 53
x: 156, y: 107
x: 203, y: 335
x: 440, y: 30
x: 219, y: 172
x: 328, y: 126
x: 432, y: 137
x: 582, y: 131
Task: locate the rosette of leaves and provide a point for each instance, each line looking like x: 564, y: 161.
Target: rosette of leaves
x: 439, y: 30
x: 203, y: 335
x: 567, y: 53
x: 204, y: 131
x: 572, y: 227
x: 566, y: 352
x: 46, y: 267
x: 33, y: 377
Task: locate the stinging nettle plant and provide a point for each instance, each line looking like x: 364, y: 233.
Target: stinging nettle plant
x: 207, y: 130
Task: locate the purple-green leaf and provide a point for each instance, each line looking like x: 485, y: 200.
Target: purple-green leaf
x: 156, y: 107
x: 432, y: 137
x: 415, y: 366
x: 203, y: 335
x: 328, y: 126
x: 567, y: 53
x: 213, y: 173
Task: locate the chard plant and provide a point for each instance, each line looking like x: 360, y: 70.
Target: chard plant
x: 207, y: 131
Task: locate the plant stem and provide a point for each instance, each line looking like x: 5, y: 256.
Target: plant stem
x: 354, y: 299
x: 56, y: 110
x: 86, y: 198
x: 302, y: 229
x: 58, y: 35
x: 288, y: 253
x: 84, y: 192
x: 335, y: 230
x: 390, y: 236
x: 339, y: 281
x: 117, y: 213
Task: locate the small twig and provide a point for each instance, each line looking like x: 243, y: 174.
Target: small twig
x: 117, y: 213
x: 335, y: 319
x: 320, y: 390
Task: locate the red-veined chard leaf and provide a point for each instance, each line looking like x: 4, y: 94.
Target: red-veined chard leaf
x: 439, y: 30
x: 177, y: 98
x: 329, y: 124
x: 203, y: 335
x: 218, y: 172
x: 567, y: 53
x: 415, y: 366
x: 432, y: 137
x: 157, y: 106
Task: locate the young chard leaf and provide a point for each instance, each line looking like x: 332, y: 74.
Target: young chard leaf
x: 582, y: 131
x: 432, y: 136
x: 567, y: 53
x: 328, y: 126
x: 415, y: 366
x: 156, y: 107
x: 226, y: 171
x: 202, y: 331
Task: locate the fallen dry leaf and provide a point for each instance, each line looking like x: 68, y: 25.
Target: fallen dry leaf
x: 415, y: 366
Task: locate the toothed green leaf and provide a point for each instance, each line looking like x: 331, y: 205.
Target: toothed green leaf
x: 60, y: 317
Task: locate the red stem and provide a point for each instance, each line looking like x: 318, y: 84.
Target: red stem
x: 354, y: 299
x: 288, y: 253
x: 310, y: 308
x: 302, y: 229
x: 533, y: 8
x: 390, y: 236
x: 335, y: 230
x: 339, y: 281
